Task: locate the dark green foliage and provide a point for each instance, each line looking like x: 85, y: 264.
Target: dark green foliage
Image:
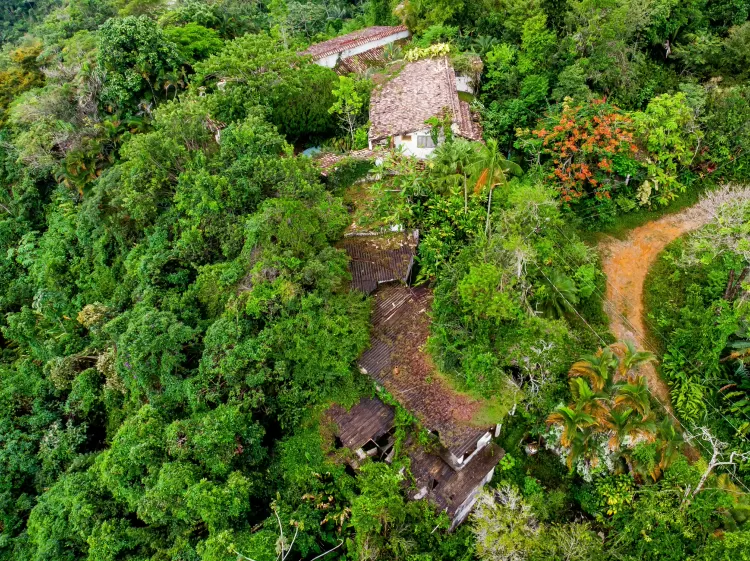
x: 176, y: 315
x: 259, y: 70
x: 140, y: 62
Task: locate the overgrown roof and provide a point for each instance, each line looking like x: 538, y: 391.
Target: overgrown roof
x: 398, y: 361
x: 375, y: 260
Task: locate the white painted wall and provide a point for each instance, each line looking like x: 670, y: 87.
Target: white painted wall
x: 331, y: 60
x: 464, y: 83
x: 409, y: 145
x: 463, y: 511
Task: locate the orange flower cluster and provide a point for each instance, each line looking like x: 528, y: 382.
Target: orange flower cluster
x: 582, y: 141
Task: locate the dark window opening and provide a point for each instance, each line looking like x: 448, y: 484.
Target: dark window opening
x: 385, y: 440
x: 337, y: 444
x: 433, y: 484
x: 370, y: 448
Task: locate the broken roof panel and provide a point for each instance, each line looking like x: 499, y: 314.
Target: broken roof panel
x: 352, y: 40
x: 375, y: 260
x: 447, y: 488
x: 368, y: 420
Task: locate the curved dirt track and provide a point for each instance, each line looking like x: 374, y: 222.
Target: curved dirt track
x: 626, y: 264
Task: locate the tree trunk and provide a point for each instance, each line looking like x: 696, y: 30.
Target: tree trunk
x: 466, y: 197
x: 489, y: 207
x: 734, y: 284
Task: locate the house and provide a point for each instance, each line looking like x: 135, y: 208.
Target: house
x: 352, y: 52
x: 368, y: 430
x: 460, y: 457
x: 421, y: 90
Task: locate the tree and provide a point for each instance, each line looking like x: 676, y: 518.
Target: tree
x: 610, y: 414
x: 720, y: 456
x: 348, y: 106
x: 503, y: 525
x: 491, y: 170
x: 139, y: 62
x: 257, y: 70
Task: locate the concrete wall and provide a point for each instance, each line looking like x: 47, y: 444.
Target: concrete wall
x: 464, y: 83
x: 331, y: 60
x: 408, y: 143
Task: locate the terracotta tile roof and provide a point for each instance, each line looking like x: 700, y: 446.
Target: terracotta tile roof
x: 360, y: 63
x: 351, y: 40
x: 423, y: 89
x: 329, y: 160
x: 468, y: 124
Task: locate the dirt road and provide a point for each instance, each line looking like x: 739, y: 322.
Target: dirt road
x: 626, y: 264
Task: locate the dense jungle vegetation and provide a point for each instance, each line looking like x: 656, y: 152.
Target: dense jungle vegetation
x: 175, y: 314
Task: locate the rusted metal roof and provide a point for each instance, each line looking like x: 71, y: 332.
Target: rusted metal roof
x: 433, y: 478
x: 368, y: 420
x: 398, y: 361
x: 447, y: 488
x: 375, y: 260
x: 352, y: 40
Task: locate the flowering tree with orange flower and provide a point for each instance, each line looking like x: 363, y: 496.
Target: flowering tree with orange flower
x: 588, y: 149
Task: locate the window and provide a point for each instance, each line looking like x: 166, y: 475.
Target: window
x: 406, y: 137
x: 425, y: 141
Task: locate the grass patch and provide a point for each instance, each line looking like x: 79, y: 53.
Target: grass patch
x: 466, y: 96
x: 491, y: 410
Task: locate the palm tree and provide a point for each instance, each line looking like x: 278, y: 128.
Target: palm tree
x: 451, y: 161
x: 636, y: 395
x: 626, y: 422
x: 491, y: 169
x: 483, y: 44
x: 596, y: 368
x: 558, y: 295
x: 613, y: 405
x: 630, y: 358
x: 572, y: 421
x: 587, y: 400
x: 671, y: 441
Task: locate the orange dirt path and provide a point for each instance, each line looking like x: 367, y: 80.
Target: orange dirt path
x: 626, y: 264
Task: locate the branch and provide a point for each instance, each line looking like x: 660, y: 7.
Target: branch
x: 341, y: 542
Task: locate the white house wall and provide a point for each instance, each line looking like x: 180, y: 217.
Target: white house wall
x: 331, y: 60
x: 410, y: 147
x: 464, y: 83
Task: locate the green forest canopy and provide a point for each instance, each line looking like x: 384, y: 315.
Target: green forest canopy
x: 176, y: 314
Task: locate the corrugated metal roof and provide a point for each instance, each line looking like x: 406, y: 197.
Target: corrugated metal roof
x: 375, y: 260
x: 368, y: 420
x: 398, y: 361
